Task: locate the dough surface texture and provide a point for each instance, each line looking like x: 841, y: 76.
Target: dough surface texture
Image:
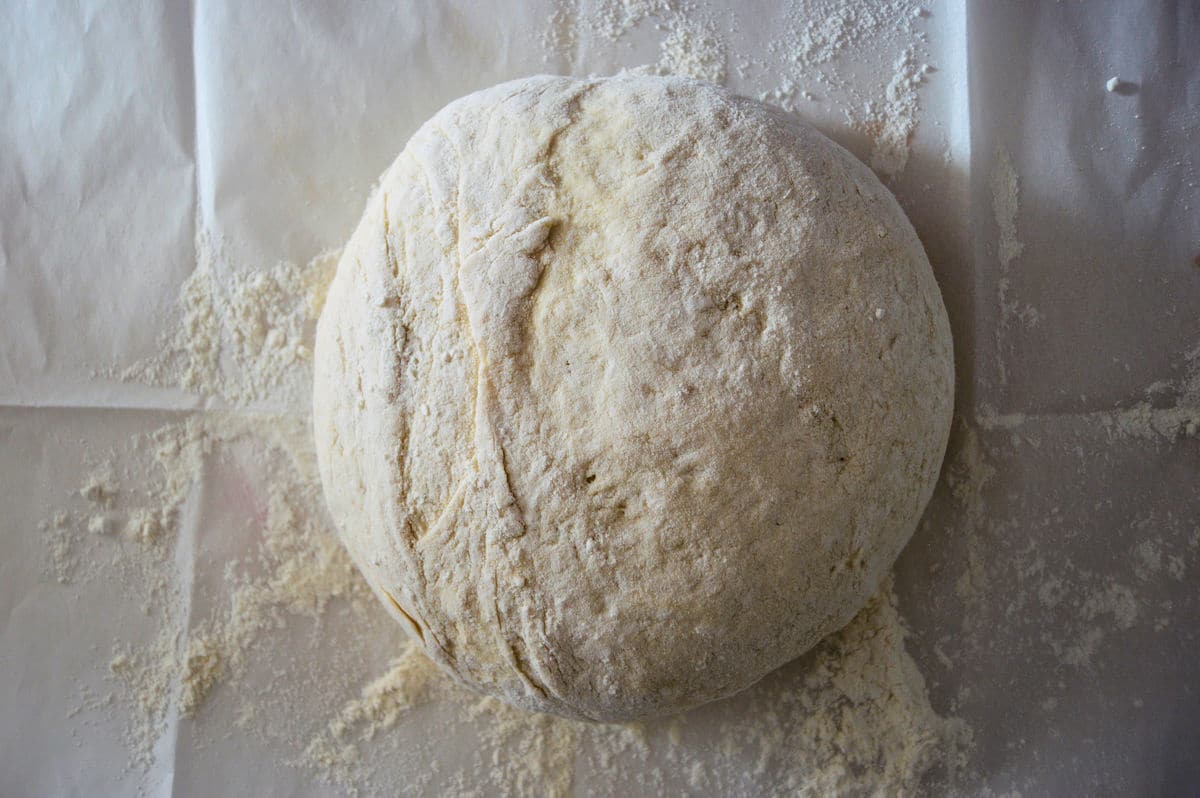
x: 627, y: 391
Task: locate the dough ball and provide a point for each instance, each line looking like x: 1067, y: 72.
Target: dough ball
x: 628, y: 391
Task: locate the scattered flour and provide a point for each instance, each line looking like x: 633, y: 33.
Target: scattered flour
x: 852, y: 718
x: 1079, y: 609
x: 334, y: 753
x: 613, y: 19
x: 100, y: 525
x: 531, y: 755
x: 60, y: 540
x: 296, y: 568
x: 868, y: 57
x: 146, y: 678
x: 1114, y: 600
x: 891, y: 122
x: 1143, y: 420
x: 821, y: 31
x: 693, y: 50
x: 1168, y: 424
x: 101, y: 488
x: 559, y: 39
x: 689, y: 44
x: 785, y: 95
x: 242, y: 336
x: 1005, y: 201
x: 1005, y: 189
x: 1149, y: 420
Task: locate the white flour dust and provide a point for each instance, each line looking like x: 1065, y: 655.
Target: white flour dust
x: 693, y: 49
x: 868, y: 58
x: 1005, y: 204
x: 851, y: 718
x: 891, y: 123
x: 1169, y: 413
x: 241, y: 335
x: 1005, y: 187
x: 1078, y: 601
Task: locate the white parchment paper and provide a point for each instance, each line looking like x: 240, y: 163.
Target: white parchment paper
x: 125, y: 125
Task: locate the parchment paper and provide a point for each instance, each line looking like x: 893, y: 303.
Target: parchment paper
x: 126, y: 123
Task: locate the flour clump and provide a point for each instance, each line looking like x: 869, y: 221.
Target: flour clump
x: 627, y: 391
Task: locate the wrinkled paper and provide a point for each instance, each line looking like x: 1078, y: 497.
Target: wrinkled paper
x: 126, y: 125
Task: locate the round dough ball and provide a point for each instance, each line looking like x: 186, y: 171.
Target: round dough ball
x: 628, y: 391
